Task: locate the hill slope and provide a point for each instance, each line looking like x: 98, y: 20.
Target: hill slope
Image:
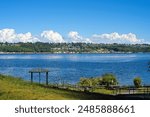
x: 17, y: 89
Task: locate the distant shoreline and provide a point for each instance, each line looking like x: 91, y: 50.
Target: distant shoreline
x: 1, y: 53
x: 71, y: 48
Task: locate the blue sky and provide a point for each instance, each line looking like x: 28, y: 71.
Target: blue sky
x: 122, y: 21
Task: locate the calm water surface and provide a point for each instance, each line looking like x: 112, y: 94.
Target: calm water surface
x: 71, y: 67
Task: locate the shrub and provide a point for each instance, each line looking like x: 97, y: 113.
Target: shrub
x: 106, y: 79
x: 137, y: 82
x: 109, y: 79
x: 85, y: 82
x: 89, y: 84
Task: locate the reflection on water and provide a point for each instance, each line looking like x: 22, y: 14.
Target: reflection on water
x: 72, y: 67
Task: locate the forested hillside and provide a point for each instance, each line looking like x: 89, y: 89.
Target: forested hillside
x: 73, y: 47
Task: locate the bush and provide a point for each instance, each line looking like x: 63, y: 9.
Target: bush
x: 89, y: 83
x: 137, y: 82
x: 106, y: 79
x: 109, y: 79
x: 85, y: 82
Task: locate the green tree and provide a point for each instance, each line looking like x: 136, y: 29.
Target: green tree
x: 90, y: 82
x: 85, y: 83
x: 109, y: 79
x: 137, y: 82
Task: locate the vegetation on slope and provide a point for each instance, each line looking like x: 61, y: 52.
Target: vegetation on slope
x: 18, y: 89
x: 73, y: 47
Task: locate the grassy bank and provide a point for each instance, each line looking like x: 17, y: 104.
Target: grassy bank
x: 18, y: 89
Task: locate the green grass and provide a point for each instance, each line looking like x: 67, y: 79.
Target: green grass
x: 17, y: 89
x: 103, y: 91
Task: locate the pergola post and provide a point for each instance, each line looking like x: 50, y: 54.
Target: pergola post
x: 31, y: 77
x: 39, y: 77
x: 39, y: 71
x: 46, y: 78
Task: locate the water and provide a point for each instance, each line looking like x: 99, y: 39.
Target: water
x: 71, y: 67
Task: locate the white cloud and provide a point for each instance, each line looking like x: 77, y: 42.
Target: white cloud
x: 87, y: 40
x: 27, y: 37
x: 75, y: 37
x: 52, y: 36
x: 9, y: 35
x: 117, y: 38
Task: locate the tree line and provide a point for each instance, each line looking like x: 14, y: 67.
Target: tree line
x: 73, y: 47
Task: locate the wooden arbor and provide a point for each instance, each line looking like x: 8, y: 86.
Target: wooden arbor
x: 39, y: 71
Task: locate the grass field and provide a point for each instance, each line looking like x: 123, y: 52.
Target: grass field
x: 17, y: 89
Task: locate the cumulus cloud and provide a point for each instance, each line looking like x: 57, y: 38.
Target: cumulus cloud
x: 27, y: 37
x: 117, y: 38
x: 87, y: 40
x: 9, y: 35
x: 75, y: 37
x: 52, y: 36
